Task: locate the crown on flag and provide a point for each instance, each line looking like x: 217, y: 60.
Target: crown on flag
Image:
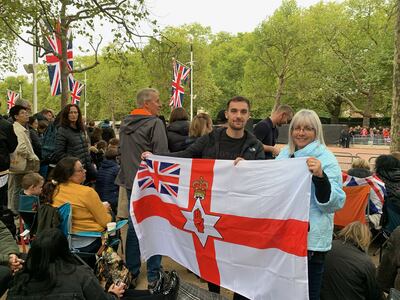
x: 200, y: 187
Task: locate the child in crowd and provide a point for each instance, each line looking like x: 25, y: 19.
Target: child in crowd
x: 108, y: 171
x: 29, y: 199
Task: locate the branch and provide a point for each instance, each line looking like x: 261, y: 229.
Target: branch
x: 351, y: 103
x: 96, y: 61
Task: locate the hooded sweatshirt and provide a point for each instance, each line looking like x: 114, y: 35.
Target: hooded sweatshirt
x: 139, y: 132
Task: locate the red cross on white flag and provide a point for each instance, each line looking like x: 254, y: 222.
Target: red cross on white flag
x: 232, y: 225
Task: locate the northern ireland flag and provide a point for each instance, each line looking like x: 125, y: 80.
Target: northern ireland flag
x: 242, y: 227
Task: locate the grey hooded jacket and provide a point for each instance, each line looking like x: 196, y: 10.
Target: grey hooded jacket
x: 138, y: 133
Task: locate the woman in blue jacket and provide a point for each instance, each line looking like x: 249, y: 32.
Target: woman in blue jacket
x: 306, y: 140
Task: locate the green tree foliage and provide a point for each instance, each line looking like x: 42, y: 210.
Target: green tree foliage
x: 335, y: 58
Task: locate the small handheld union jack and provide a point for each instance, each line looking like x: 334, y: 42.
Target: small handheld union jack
x: 76, y: 92
x: 181, y: 73
x: 54, y: 62
x: 12, y: 97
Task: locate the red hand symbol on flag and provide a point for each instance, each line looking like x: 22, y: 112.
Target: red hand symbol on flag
x: 198, y: 220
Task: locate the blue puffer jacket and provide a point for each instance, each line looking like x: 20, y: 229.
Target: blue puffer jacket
x: 105, y: 186
x: 321, y: 214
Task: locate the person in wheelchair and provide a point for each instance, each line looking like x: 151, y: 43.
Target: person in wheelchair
x: 51, y: 271
x: 89, y: 214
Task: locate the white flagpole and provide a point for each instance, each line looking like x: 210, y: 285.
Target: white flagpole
x: 191, y: 80
x: 84, y: 108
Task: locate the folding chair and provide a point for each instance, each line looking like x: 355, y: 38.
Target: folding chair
x: 65, y: 212
x: 355, y: 206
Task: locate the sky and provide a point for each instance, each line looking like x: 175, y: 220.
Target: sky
x: 221, y: 15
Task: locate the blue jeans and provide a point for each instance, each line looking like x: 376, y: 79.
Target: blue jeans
x: 316, y: 262
x: 133, y: 252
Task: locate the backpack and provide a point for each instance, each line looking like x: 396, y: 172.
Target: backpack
x: 7, y: 217
x: 47, y: 217
x: 49, y: 143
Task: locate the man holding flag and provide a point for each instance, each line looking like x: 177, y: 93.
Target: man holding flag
x: 231, y: 143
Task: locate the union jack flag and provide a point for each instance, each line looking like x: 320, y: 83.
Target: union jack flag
x: 376, y: 184
x: 54, y: 62
x: 161, y: 176
x: 76, y: 92
x: 181, y: 73
x: 12, y: 97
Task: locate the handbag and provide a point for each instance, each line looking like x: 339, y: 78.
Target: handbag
x: 110, y: 268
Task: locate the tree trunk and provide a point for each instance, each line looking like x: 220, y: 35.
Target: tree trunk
x: 334, y: 107
x: 395, y: 122
x: 367, y: 108
x: 279, y: 91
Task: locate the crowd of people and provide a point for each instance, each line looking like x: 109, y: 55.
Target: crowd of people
x: 50, y: 159
x: 362, y: 134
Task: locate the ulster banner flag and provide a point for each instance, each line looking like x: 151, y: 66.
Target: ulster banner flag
x: 242, y: 227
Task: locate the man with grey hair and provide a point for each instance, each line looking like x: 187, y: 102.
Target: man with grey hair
x: 141, y: 131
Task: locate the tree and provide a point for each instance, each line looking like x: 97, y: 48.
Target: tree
x: 78, y: 15
x: 278, y: 45
x: 395, y: 130
x: 175, y: 43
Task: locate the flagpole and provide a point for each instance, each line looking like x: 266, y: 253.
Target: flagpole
x: 35, y: 104
x: 191, y: 80
x: 84, y: 109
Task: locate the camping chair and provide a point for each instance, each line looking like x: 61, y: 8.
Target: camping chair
x: 27, y: 209
x: 65, y: 212
x: 355, y: 206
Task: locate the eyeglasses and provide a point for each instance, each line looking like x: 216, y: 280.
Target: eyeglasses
x: 80, y: 170
x: 306, y: 129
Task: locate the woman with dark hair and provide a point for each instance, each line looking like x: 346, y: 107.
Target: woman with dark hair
x: 88, y: 212
x: 71, y: 139
x: 178, y: 129
x: 51, y: 271
x: 387, y: 168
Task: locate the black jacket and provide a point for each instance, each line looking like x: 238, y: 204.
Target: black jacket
x: 8, y: 143
x: 72, y: 142
x: 208, y: 146
x: 36, y: 143
x: 73, y: 282
x: 177, y: 133
x: 388, y: 274
x: 349, y: 274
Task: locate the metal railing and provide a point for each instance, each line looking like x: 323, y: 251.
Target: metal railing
x: 376, y: 139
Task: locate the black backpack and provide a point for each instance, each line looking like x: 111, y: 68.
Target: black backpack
x: 7, y: 217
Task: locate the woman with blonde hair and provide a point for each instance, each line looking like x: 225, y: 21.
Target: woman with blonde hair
x: 349, y: 271
x: 200, y: 125
x: 306, y: 140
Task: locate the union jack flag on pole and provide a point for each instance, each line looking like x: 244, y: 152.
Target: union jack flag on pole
x: 181, y: 73
x: 12, y: 97
x: 76, y: 92
x: 54, y: 62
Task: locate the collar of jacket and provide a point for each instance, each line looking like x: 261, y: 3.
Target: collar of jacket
x: 140, y: 111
